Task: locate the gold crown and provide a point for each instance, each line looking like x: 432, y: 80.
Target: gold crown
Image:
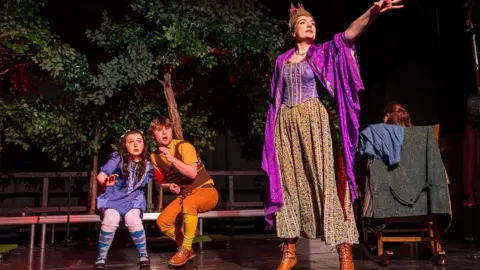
x: 296, y: 12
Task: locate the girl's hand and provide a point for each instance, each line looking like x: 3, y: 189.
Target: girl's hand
x: 174, y: 188
x: 110, y: 180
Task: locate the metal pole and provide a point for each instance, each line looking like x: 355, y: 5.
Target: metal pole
x: 149, y: 196
x: 201, y: 234
x: 160, y: 201
x: 44, y: 205
x: 44, y: 232
x: 231, y: 199
x: 53, y: 234
x: 32, y: 236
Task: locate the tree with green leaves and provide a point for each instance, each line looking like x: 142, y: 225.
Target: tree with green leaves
x: 159, y: 54
x: 166, y: 35
x: 164, y: 39
x: 68, y: 130
x: 28, y: 52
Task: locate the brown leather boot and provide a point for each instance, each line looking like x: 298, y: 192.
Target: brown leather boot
x: 182, y: 256
x: 345, y: 256
x: 289, y: 259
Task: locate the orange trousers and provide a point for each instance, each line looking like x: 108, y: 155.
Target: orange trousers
x: 199, y: 201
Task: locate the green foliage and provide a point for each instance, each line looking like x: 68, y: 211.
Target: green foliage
x: 170, y: 35
x: 46, y: 125
x: 194, y: 28
x: 28, y: 37
x: 197, y: 129
x: 57, y: 133
x: 184, y: 38
x: 12, y: 125
x: 76, y: 76
x: 26, y: 40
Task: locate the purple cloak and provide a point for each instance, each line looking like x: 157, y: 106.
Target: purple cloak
x: 335, y: 65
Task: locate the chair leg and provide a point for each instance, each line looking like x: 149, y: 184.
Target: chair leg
x: 439, y: 252
x: 431, y: 235
x: 384, y: 255
x: 380, y: 243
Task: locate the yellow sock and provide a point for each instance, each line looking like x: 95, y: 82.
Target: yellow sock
x: 190, y: 226
x: 175, y: 233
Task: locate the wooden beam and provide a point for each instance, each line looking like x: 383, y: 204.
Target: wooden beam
x: 410, y: 239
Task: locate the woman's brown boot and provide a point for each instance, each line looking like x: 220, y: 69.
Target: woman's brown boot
x: 289, y: 259
x: 345, y: 256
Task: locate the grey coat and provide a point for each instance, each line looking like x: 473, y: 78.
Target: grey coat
x: 418, y: 185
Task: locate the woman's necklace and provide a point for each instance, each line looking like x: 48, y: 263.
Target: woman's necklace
x: 299, y: 53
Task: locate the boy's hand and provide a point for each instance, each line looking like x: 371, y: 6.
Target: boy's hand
x: 166, y: 153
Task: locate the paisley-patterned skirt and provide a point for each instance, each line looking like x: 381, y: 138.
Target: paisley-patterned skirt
x: 312, y: 207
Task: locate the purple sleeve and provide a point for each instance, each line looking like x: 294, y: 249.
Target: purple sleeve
x: 336, y: 62
x: 341, y: 68
x: 112, y: 164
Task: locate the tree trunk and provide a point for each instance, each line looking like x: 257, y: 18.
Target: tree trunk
x: 93, y: 185
x: 174, y: 117
x: 172, y: 105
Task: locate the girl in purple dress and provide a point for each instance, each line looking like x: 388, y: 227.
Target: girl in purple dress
x: 311, y: 136
x: 125, y: 176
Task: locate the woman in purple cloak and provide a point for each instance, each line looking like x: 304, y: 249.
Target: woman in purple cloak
x: 311, y: 136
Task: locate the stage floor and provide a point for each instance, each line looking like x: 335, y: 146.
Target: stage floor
x: 241, y: 252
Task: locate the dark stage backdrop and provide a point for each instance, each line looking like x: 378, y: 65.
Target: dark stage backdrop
x: 419, y: 56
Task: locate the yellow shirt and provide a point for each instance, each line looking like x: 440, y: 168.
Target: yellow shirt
x: 187, y: 153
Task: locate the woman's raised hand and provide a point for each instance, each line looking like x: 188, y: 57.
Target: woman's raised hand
x: 386, y: 5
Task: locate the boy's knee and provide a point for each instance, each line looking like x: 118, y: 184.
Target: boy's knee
x: 164, y: 223
x: 190, y: 207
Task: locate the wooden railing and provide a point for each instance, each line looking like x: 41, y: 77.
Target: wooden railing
x: 45, y: 177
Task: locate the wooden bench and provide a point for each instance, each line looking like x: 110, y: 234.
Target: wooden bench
x: 41, y: 213
x: 44, y: 220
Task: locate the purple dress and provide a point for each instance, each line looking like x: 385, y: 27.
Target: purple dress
x: 129, y: 191
x: 335, y: 66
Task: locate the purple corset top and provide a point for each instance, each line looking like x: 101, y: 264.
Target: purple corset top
x: 298, y: 83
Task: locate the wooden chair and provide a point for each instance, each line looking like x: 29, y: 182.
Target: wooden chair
x: 430, y: 232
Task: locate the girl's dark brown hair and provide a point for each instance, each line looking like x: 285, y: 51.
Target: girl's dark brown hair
x: 122, y: 151
x: 397, y: 114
